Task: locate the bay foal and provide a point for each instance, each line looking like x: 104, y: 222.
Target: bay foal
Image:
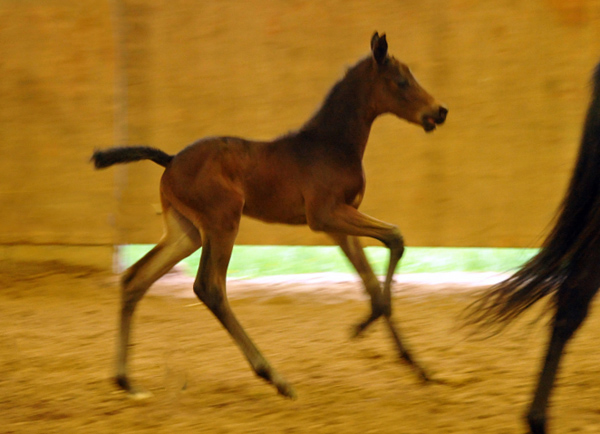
x: 311, y: 176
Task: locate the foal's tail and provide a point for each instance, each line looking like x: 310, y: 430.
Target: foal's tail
x: 564, y: 253
x: 128, y: 154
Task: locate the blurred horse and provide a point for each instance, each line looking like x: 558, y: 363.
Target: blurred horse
x: 567, y: 267
x: 311, y: 176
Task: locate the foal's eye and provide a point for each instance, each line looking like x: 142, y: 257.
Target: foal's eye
x: 402, y: 82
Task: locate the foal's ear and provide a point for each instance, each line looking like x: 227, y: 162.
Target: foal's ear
x: 379, y: 47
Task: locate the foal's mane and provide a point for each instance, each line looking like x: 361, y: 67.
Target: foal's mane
x: 341, y: 103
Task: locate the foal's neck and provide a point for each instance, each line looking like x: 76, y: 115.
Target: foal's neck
x: 344, y: 120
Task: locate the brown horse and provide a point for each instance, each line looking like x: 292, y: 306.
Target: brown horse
x: 312, y: 176
x: 567, y: 267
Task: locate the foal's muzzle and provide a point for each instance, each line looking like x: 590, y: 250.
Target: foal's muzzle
x: 437, y: 117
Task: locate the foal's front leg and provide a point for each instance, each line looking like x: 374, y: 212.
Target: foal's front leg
x: 354, y: 252
x: 344, y: 223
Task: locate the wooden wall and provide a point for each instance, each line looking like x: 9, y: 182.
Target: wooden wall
x: 79, y: 75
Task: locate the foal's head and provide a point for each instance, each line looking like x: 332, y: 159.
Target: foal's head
x: 397, y: 91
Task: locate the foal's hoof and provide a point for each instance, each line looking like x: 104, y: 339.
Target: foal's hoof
x: 358, y: 330
x: 427, y: 378
x: 135, y: 393
x: 284, y: 389
x: 423, y: 375
x: 139, y: 395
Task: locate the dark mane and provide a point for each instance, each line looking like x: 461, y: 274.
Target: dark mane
x: 340, y: 104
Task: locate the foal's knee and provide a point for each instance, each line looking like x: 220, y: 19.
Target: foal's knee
x: 128, y: 276
x: 395, y: 241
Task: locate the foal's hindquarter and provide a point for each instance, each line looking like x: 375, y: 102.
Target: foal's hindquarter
x: 312, y: 176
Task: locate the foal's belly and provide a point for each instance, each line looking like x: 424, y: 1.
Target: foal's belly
x: 275, y: 207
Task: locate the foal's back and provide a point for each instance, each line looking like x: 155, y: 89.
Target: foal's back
x: 264, y: 179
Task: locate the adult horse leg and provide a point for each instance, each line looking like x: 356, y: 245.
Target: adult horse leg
x: 572, y: 308
x: 180, y: 240
x: 210, y: 287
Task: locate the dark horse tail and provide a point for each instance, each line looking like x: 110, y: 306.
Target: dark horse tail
x: 128, y: 154
x: 565, y: 252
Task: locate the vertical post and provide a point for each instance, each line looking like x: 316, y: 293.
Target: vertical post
x: 121, y: 123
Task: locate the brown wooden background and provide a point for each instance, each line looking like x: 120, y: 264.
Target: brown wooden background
x: 83, y: 74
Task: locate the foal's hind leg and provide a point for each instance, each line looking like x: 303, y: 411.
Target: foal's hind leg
x: 572, y: 308
x: 210, y: 287
x: 180, y: 240
x: 381, y: 303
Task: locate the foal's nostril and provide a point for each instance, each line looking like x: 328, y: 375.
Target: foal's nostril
x: 443, y: 113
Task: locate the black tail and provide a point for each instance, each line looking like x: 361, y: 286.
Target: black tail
x: 128, y: 154
x: 576, y: 232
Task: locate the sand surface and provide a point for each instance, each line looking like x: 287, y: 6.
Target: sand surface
x: 58, y: 337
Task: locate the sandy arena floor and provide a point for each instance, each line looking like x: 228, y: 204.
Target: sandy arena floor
x: 57, y: 346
